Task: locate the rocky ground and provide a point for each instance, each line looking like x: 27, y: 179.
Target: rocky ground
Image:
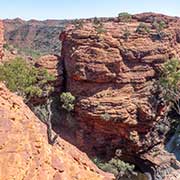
x: 26, y: 154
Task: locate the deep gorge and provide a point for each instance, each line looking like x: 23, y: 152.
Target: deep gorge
x: 112, y: 77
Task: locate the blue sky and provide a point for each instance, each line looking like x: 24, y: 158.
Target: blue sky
x: 68, y: 9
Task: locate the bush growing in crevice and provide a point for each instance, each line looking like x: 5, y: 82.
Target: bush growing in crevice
x: 159, y: 26
x: 126, y: 33
x: 67, y: 103
x: 142, y: 29
x: 67, y: 100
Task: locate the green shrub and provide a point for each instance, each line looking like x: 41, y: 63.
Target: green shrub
x: 67, y: 100
x: 100, y: 30
x: 142, y: 28
x: 169, y: 83
x: 126, y: 33
x: 116, y: 166
x: 124, y: 17
x: 25, y: 79
x: 99, y: 27
x: 159, y: 26
x: 78, y: 24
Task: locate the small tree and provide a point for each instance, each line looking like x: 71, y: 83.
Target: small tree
x: 124, y: 17
x: 25, y: 79
x: 169, y: 83
x: 67, y: 100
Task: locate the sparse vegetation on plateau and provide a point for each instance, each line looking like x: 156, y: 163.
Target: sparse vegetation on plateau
x: 23, y: 78
x: 126, y: 33
x: 98, y: 25
x: 124, y: 17
x: 78, y: 24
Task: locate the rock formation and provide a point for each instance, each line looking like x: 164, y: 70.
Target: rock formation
x: 111, y: 68
x: 53, y: 64
x: 26, y: 154
x: 1, y: 39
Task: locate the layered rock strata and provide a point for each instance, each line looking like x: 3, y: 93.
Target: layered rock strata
x: 111, y: 68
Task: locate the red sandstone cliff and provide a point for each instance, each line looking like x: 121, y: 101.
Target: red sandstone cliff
x: 25, y: 152
x: 1, y: 38
x: 111, y: 76
x: 53, y: 64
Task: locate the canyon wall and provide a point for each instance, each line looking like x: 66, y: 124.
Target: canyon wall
x: 111, y: 67
x: 1, y: 38
x: 34, y: 36
x: 26, y: 154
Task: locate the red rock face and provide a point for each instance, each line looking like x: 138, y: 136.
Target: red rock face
x: 1, y: 39
x: 54, y: 66
x: 111, y: 77
x: 26, y: 154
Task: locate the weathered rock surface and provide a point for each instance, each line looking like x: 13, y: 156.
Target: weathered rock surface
x: 111, y: 75
x: 1, y: 39
x: 53, y: 64
x: 25, y: 153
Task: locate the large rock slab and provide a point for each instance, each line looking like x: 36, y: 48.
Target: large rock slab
x: 25, y: 152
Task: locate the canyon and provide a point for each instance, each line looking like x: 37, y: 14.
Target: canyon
x: 111, y: 68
